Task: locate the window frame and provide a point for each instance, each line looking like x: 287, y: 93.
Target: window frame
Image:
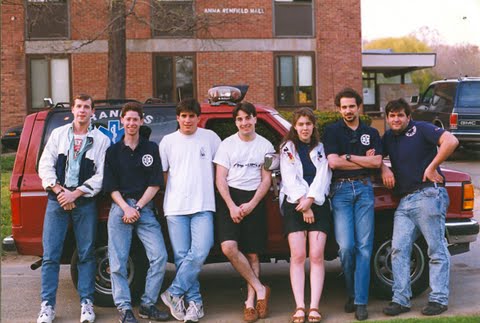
x: 26, y: 24
x: 295, y: 79
x: 29, y: 58
x: 173, y: 55
x: 292, y: 3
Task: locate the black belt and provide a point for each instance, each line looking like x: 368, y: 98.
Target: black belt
x: 422, y: 186
x: 135, y: 196
x: 351, y: 178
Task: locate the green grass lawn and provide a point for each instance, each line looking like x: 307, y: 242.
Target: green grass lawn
x: 456, y: 319
x: 6, y: 166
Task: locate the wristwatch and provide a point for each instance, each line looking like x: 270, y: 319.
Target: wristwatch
x: 348, y: 157
x: 138, y: 208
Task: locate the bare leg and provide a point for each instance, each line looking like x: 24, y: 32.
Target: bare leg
x: 297, y: 242
x: 244, y: 268
x: 317, y: 241
x: 254, y: 262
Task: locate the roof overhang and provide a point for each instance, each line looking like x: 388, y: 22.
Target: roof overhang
x: 392, y: 64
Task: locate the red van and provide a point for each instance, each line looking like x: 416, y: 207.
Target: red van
x: 28, y: 199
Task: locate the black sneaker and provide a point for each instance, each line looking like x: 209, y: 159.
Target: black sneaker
x: 361, y: 312
x: 349, y: 305
x: 152, y: 313
x: 394, y: 309
x: 434, y: 308
x: 127, y: 317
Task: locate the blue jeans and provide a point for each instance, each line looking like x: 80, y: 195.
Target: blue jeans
x: 149, y: 232
x: 353, y: 216
x: 422, y: 212
x: 55, y: 227
x: 192, y: 238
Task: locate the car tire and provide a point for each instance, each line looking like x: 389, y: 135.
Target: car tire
x: 136, y: 268
x: 382, y: 276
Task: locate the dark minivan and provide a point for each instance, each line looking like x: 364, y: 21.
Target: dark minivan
x: 453, y: 104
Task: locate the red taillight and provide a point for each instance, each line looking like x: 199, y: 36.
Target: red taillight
x: 453, y: 121
x: 15, y: 207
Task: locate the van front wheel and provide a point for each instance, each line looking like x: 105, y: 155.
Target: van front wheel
x: 382, y: 274
x: 136, y: 273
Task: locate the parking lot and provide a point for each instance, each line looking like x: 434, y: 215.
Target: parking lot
x: 224, y: 290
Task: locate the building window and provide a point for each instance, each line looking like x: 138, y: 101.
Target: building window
x: 172, y: 18
x: 47, y: 19
x: 174, y: 78
x: 294, y: 18
x: 49, y: 78
x: 294, y: 80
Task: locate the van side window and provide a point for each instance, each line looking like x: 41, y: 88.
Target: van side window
x: 427, y: 97
x: 444, y: 97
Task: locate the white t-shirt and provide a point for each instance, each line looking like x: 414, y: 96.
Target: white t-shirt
x: 188, y: 159
x: 244, y: 160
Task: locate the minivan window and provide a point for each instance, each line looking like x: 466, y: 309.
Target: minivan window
x: 469, y: 94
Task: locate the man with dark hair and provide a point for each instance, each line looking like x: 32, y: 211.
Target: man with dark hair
x: 353, y: 150
x: 241, y: 221
x: 132, y: 178
x: 71, y: 170
x: 189, y: 204
x: 416, y: 150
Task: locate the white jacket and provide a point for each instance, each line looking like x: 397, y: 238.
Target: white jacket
x: 53, y: 163
x: 293, y: 185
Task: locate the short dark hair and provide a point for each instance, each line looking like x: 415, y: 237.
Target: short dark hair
x: 188, y: 105
x: 83, y: 97
x: 397, y: 106
x: 132, y: 106
x: 246, y: 107
x: 348, y: 93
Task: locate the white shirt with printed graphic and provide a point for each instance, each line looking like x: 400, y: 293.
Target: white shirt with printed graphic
x: 188, y: 159
x: 244, y: 160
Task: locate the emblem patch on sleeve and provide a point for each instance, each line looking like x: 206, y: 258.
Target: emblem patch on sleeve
x: 287, y: 152
x: 147, y: 160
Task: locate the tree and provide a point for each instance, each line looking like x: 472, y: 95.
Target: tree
x: 406, y: 44
x: 162, y: 17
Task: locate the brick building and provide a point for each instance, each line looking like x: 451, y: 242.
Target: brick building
x: 291, y: 53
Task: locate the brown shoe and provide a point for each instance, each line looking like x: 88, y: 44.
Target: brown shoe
x: 314, y: 318
x: 250, y: 314
x: 262, y: 304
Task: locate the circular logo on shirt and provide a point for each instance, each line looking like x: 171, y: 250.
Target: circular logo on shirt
x: 147, y: 160
x: 365, y: 139
x: 411, y: 132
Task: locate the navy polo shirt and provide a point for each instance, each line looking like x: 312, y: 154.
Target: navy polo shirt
x: 340, y: 139
x: 410, y: 153
x: 131, y: 172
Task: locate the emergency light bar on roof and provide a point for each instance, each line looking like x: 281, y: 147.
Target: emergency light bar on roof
x: 224, y: 95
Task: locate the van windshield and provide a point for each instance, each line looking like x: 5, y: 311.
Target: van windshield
x: 469, y: 94
x: 159, y: 120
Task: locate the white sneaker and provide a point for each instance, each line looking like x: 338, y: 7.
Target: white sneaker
x: 175, y: 304
x: 194, y: 312
x: 47, y: 313
x: 87, y: 314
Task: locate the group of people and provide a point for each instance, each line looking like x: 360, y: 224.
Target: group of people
x: 326, y: 187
